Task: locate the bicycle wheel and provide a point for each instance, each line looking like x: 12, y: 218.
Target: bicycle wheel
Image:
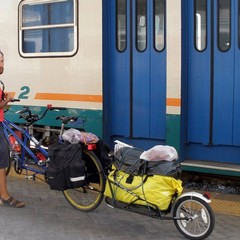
x: 201, y: 218
x: 89, y: 196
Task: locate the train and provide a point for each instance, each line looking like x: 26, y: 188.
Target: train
x: 53, y: 56
x: 145, y: 72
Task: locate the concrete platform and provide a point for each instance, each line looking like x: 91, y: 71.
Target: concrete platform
x: 48, y: 216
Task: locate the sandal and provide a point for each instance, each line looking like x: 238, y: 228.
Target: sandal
x: 11, y: 202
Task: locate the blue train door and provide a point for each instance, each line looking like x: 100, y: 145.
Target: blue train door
x: 135, y: 70
x: 212, y: 79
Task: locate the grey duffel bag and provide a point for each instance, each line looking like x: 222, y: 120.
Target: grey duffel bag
x: 127, y: 159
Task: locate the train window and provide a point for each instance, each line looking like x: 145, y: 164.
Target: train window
x: 121, y: 29
x: 47, y: 28
x: 141, y: 28
x: 224, y: 24
x: 159, y: 24
x: 200, y: 24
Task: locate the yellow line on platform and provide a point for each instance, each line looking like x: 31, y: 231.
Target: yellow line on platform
x: 226, y: 206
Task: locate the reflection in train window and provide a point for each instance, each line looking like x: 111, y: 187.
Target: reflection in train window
x: 200, y: 24
x: 48, y: 28
x: 141, y: 28
x: 121, y: 28
x: 159, y: 24
x: 224, y: 23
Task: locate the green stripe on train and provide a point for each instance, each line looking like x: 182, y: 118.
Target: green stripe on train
x: 92, y: 123
x: 173, y: 131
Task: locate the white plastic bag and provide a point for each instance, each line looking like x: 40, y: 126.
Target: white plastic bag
x: 160, y: 152
x: 75, y: 136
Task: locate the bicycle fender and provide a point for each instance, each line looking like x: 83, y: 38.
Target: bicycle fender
x: 194, y: 194
x: 190, y: 194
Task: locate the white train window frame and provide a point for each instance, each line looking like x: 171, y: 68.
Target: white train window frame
x: 46, y: 39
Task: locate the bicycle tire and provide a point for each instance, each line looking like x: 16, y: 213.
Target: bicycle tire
x: 202, y: 220
x: 90, y: 195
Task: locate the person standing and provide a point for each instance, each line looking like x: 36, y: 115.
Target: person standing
x: 5, y: 198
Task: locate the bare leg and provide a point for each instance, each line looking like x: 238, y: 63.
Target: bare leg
x: 3, y: 185
x: 5, y: 198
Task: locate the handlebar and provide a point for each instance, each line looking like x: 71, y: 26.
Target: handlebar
x: 32, y: 118
x: 15, y: 100
x: 12, y: 100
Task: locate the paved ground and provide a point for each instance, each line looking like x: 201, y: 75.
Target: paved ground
x: 48, y: 216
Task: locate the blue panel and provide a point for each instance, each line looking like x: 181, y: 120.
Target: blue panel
x: 212, y: 84
x: 198, y: 97
x: 119, y: 67
x: 223, y: 89
x: 227, y: 154
x: 106, y: 71
x: 158, y: 95
x: 141, y: 80
x: 134, y: 82
x: 149, y: 86
x: 236, y: 121
x: 199, y: 83
x: 120, y: 96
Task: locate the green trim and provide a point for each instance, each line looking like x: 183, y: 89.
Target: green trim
x: 173, y: 131
x: 92, y: 124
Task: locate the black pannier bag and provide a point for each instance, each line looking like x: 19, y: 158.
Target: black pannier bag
x: 102, y: 152
x: 127, y: 159
x: 66, y: 168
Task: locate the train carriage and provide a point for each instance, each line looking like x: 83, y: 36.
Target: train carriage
x: 145, y: 72
x: 53, y: 56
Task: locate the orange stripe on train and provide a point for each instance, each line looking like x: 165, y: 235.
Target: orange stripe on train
x: 175, y: 102
x: 68, y: 97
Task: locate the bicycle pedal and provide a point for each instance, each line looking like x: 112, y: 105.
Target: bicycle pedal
x: 28, y: 177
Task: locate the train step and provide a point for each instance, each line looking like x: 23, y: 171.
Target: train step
x: 217, y: 168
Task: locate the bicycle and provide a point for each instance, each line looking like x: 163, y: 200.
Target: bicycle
x: 33, y: 158
x: 190, y: 211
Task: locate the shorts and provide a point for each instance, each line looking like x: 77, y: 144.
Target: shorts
x: 4, y: 149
